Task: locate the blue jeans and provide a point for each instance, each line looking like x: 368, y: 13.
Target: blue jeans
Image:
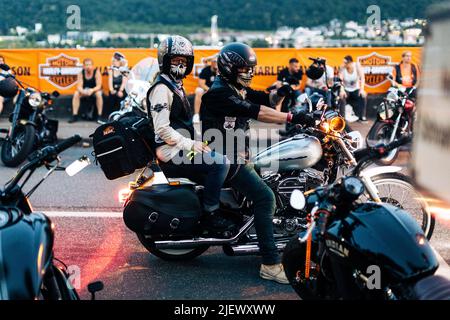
x: 250, y: 184
x: 210, y: 168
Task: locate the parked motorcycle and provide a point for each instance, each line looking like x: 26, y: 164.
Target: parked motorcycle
x: 30, y: 126
x: 395, y: 118
x: 353, y: 250
x: 28, y: 268
x: 155, y: 206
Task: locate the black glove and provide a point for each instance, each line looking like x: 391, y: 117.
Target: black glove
x: 284, y: 90
x: 4, y: 67
x: 303, y: 118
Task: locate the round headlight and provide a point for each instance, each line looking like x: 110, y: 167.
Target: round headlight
x: 337, y: 124
x: 35, y: 99
x: 392, y: 96
x: 4, y: 218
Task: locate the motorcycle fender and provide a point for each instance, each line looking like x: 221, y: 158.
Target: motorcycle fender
x: 25, y: 122
x: 371, y: 172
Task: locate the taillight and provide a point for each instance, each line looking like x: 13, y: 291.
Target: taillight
x: 123, y: 195
x: 409, y: 105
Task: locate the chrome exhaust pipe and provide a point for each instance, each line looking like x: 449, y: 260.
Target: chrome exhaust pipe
x: 194, y: 243
x: 249, y: 249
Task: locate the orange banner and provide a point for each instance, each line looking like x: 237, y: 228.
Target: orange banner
x: 56, y: 69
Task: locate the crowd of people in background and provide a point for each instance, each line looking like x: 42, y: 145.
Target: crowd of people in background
x: 353, y: 97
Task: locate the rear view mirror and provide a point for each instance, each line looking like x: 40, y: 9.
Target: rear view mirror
x: 77, y: 166
x: 297, y: 200
x: 55, y: 94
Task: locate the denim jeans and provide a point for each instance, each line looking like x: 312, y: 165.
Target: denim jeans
x: 250, y: 184
x: 210, y: 169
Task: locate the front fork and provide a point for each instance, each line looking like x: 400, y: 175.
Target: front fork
x: 371, y: 188
x: 394, y: 132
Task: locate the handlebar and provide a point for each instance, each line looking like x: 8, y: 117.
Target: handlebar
x: 47, y: 154
x: 365, y: 155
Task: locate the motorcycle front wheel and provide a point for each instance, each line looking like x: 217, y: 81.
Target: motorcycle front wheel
x: 171, y: 254
x: 397, y: 189
x: 16, y: 150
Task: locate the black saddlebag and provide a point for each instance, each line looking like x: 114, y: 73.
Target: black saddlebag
x: 122, y: 146
x: 163, y: 210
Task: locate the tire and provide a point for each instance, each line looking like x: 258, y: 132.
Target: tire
x: 293, y: 261
x: 27, y: 134
x: 422, y: 215
x: 381, y: 132
x: 171, y: 254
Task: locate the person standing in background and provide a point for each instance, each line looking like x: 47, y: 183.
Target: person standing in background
x: 352, y: 92
x: 322, y: 84
x: 205, y: 80
x: 291, y: 75
x: 406, y: 73
x: 116, y: 82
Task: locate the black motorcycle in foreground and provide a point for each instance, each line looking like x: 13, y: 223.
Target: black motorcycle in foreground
x: 28, y: 269
x: 30, y: 127
x: 354, y: 250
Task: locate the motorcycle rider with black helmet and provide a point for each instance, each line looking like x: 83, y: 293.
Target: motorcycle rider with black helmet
x: 168, y: 107
x: 227, y: 107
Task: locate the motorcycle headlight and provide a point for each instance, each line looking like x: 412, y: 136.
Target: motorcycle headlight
x: 35, y: 99
x: 337, y: 124
x: 392, y: 96
x: 4, y: 218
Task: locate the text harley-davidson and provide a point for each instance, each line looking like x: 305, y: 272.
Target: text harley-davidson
x: 165, y: 212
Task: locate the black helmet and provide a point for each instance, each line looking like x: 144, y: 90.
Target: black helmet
x: 233, y: 56
x: 315, y: 71
x: 175, y: 46
x: 8, y: 88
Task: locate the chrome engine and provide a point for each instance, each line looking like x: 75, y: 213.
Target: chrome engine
x: 286, y: 219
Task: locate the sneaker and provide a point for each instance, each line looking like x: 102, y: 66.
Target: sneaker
x: 102, y: 120
x: 196, y: 118
x: 273, y: 272
x: 73, y: 119
x: 351, y: 119
x: 363, y: 120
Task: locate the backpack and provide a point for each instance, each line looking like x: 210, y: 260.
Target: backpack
x: 124, y: 145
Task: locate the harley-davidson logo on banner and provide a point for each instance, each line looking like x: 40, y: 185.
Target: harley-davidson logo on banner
x: 376, y: 68
x: 61, y: 71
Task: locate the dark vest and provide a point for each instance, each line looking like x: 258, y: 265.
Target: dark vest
x: 398, y: 72
x: 91, y: 82
x: 180, y: 110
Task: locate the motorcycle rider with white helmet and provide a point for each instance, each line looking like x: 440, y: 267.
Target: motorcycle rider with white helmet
x: 171, y: 113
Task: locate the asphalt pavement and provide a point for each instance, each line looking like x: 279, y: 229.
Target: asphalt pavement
x: 91, y: 237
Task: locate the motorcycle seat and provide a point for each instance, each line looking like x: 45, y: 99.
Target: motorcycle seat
x: 434, y: 287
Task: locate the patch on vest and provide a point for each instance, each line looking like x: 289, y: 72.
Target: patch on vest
x: 159, y: 107
x: 230, y: 123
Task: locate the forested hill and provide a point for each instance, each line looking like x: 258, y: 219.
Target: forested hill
x: 138, y: 15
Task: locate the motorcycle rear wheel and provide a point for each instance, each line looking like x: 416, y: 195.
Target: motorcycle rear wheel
x: 12, y: 157
x: 381, y: 132
x: 171, y: 254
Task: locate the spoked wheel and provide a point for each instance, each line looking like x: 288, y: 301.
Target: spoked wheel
x: 171, y: 254
x: 381, y: 133
x: 15, y: 151
x: 398, y: 190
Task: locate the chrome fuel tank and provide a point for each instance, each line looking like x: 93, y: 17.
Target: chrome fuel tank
x: 299, y: 152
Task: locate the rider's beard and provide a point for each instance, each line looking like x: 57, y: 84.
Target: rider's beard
x: 177, y: 71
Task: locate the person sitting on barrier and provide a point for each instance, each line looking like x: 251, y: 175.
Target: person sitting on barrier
x: 116, y: 82
x: 89, y: 84
x: 352, y: 93
x: 176, y: 148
